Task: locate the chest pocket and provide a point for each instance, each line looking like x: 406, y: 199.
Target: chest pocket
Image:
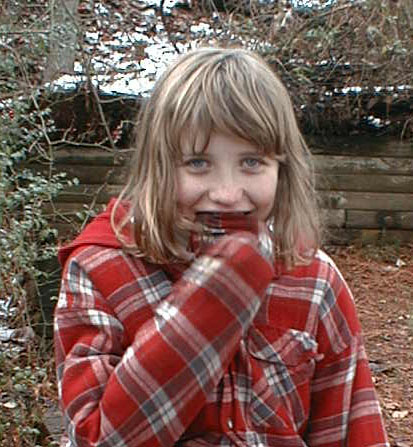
x: 290, y: 352
x: 285, y: 358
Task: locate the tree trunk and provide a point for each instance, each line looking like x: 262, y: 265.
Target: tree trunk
x: 63, y: 38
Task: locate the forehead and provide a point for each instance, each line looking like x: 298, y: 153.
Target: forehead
x: 218, y: 143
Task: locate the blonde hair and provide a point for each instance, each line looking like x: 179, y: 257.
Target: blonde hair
x: 207, y: 90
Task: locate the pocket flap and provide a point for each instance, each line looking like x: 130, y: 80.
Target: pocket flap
x: 281, y: 345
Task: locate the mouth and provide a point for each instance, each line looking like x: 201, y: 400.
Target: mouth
x: 225, y: 213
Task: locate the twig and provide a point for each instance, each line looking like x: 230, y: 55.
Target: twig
x: 102, y: 115
x: 405, y: 126
x: 309, y: 22
x: 76, y: 144
x: 6, y: 33
x: 27, y: 80
x: 93, y: 202
x: 166, y: 26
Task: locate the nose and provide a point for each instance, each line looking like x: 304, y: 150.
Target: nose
x: 226, y: 192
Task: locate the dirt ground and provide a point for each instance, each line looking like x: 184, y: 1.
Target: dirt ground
x: 381, y: 279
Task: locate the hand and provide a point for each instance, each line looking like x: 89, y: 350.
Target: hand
x: 214, y: 226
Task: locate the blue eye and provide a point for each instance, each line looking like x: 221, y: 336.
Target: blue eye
x: 197, y: 163
x: 251, y: 163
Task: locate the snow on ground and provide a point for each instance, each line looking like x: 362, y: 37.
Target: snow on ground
x: 126, y: 62
x: 115, y: 72
x: 114, y: 67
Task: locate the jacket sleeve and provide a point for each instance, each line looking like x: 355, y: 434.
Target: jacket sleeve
x: 149, y: 394
x: 345, y: 411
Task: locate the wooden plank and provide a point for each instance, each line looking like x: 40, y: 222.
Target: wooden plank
x: 363, y: 147
x: 71, y: 208
x: 74, y: 214
x: 67, y: 231
x: 341, y: 236
x: 366, y: 201
x: 83, y: 194
x: 344, y: 236
x: 96, y: 175
x: 333, y: 218
x: 337, y: 164
x: 366, y: 183
x: 69, y: 225
x: 91, y: 156
x: 379, y: 219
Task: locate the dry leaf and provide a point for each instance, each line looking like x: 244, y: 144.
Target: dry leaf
x: 11, y: 405
x: 402, y: 444
x: 399, y: 414
x: 390, y: 405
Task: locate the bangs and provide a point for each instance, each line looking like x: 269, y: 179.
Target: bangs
x: 212, y: 90
x: 223, y: 96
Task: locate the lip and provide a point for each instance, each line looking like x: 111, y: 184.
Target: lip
x: 243, y: 212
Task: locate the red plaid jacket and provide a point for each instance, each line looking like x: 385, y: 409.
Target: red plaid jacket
x: 219, y: 353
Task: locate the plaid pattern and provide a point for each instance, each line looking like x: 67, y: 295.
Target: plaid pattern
x: 215, y: 225
x: 221, y: 353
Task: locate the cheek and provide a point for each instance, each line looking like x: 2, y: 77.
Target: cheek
x: 187, y: 191
x: 268, y: 195
x: 273, y: 193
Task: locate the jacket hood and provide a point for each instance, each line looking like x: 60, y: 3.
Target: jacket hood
x: 98, y: 232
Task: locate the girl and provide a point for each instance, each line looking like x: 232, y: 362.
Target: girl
x: 198, y: 309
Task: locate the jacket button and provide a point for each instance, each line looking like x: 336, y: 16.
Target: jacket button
x: 230, y: 424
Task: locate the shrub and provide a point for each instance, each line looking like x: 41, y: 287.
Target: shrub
x: 26, y: 238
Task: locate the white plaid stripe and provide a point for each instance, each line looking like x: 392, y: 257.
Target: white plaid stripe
x: 154, y: 287
x: 203, y: 357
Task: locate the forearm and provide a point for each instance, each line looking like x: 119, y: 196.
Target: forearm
x: 175, y: 360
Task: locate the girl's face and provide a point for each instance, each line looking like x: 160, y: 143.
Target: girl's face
x: 229, y: 176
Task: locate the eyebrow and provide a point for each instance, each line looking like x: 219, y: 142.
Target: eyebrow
x: 260, y: 153
x: 242, y: 154
x: 195, y: 154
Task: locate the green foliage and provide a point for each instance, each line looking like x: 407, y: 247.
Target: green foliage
x: 26, y: 388
x: 25, y: 233
x: 26, y: 237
